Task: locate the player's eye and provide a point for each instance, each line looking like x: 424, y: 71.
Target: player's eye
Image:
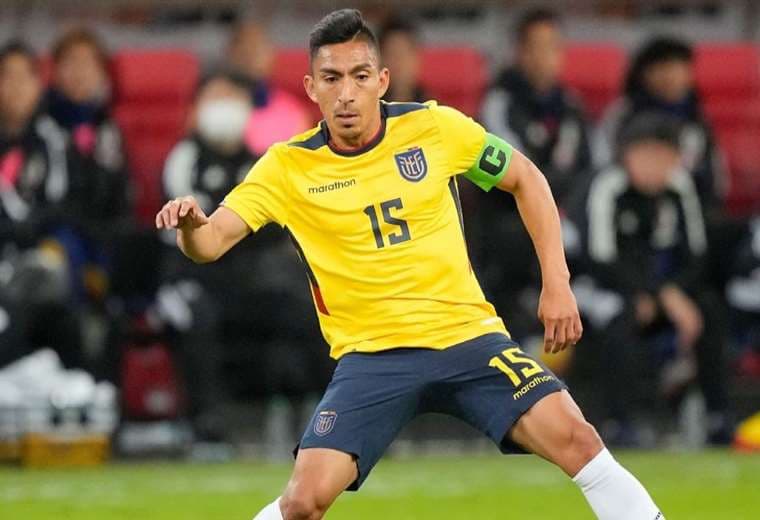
x: 331, y: 79
x: 363, y: 77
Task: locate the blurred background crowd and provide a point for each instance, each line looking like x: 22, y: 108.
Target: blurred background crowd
x: 650, y: 142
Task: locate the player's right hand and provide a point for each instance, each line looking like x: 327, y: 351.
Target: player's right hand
x: 558, y: 311
x: 181, y: 213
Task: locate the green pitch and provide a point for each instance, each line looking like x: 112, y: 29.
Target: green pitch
x: 687, y: 486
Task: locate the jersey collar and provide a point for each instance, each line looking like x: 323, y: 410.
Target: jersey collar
x: 364, y: 149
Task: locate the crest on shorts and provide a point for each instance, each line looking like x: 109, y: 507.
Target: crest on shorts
x: 325, y: 422
x: 412, y: 164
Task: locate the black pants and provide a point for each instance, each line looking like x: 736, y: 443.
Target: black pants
x: 630, y: 366
x: 247, y: 339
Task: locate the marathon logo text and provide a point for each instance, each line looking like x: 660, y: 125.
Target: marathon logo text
x: 530, y: 386
x: 333, y: 186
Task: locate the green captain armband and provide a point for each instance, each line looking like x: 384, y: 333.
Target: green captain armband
x: 491, y: 164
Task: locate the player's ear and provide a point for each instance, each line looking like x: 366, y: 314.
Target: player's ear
x: 308, y: 85
x: 385, y: 81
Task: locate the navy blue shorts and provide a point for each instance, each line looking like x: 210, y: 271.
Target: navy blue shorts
x: 488, y: 382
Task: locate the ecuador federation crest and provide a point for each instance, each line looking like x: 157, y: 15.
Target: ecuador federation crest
x: 325, y: 422
x: 412, y: 164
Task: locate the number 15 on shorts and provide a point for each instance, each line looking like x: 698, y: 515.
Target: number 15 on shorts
x: 514, y: 360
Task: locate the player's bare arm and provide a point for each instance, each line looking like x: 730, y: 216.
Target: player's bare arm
x: 557, y: 308
x: 201, y: 238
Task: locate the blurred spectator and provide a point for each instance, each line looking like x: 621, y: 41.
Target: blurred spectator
x: 213, y: 307
x: 214, y: 158
x: 195, y: 299
x: 35, y: 165
x: 35, y: 212
x: 530, y: 108
x: 277, y: 115
x: 400, y: 50
x: 645, y: 240
x: 79, y: 102
x: 661, y: 78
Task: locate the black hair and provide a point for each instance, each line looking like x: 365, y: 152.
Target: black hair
x: 228, y: 74
x: 20, y: 48
x: 397, y: 24
x: 658, y: 50
x: 340, y: 26
x: 650, y: 126
x: 534, y: 17
x: 80, y: 36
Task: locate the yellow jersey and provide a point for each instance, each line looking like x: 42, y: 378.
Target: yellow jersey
x: 380, y: 228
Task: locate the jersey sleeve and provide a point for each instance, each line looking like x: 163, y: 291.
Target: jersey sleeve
x: 478, y: 155
x: 262, y: 197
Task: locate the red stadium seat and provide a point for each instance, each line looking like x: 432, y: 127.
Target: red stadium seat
x: 290, y: 66
x: 740, y: 146
x: 733, y: 115
x: 155, y: 75
x: 728, y: 80
x: 455, y: 76
x: 150, y: 132
x: 595, y: 71
x: 153, y: 90
x: 727, y: 70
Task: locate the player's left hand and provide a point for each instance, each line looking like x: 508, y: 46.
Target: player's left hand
x: 558, y: 311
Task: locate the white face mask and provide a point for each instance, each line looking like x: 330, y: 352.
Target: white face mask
x: 223, y: 121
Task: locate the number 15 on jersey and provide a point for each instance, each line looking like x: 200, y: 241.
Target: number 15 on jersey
x: 400, y: 235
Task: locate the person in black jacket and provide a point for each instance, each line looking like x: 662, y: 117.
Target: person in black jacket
x: 210, y: 315
x: 207, y: 163
x: 35, y: 176
x: 645, y: 241
x: 79, y: 101
x: 661, y: 79
x: 213, y: 157
x: 529, y: 107
x: 37, y: 216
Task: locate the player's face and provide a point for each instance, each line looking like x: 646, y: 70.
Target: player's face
x: 80, y: 74
x: 540, y: 55
x: 650, y: 165
x: 20, y: 89
x: 347, y: 84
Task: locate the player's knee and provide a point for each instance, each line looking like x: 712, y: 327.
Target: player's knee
x: 299, y: 503
x: 584, y: 444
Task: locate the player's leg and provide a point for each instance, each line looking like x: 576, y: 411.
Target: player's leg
x: 370, y: 398
x: 319, y: 477
x: 522, y: 406
x: 565, y: 439
x: 555, y: 429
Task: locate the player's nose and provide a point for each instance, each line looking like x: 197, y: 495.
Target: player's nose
x: 347, y: 92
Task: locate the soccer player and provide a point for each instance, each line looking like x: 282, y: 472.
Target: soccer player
x: 370, y: 198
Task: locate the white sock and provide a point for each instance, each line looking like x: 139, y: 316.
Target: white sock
x: 613, y: 493
x: 270, y: 512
